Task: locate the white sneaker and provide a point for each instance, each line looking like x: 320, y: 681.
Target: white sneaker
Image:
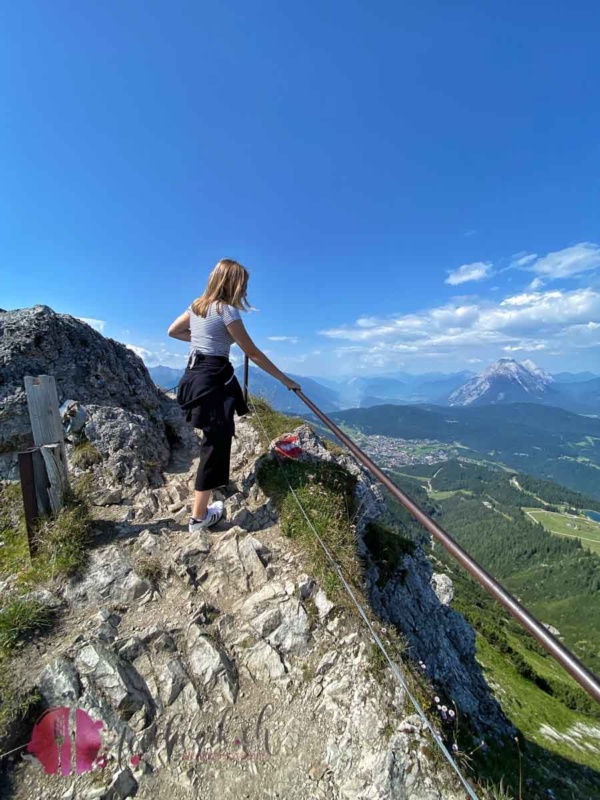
x: 214, y: 512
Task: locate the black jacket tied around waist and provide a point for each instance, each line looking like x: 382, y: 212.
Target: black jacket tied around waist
x: 209, y: 393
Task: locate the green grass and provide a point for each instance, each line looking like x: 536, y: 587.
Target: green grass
x: 444, y: 495
x: 325, y: 492
x: 85, y: 455
x: 150, y: 568
x: 62, y: 546
x: 19, y: 618
x: 535, y: 713
x: 62, y: 542
x: 62, y: 539
x: 581, y: 528
x: 273, y: 422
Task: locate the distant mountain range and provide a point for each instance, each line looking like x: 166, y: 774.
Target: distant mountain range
x: 509, y: 381
x: 165, y: 377
x: 282, y: 399
x: 506, y: 381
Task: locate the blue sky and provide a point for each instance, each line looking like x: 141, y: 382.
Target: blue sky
x: 413, y: 186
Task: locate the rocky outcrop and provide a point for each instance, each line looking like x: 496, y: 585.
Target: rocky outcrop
x: 417, y: 602
x: 233, y: 674
x: 131, y: 423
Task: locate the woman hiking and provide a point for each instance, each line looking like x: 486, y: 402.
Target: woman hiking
x: 209, y: 392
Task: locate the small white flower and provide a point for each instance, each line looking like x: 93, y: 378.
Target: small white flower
x: 436, y: 700
x: 451, y: 713
x: 444, y: 708
x: 455, y: 747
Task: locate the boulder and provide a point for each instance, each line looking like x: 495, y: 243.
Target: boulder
x: 130, y: 421
x: 264, y: 663
x: 123, y: 785
x: 59, y: 683
x: 172, y: 680
x: 210, y: 665
x: 242, y: 560
x: 109, y: 576
x: 443, y: 587
x: 114, y: 678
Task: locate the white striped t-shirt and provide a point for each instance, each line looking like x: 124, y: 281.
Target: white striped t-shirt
x: 209, y: 334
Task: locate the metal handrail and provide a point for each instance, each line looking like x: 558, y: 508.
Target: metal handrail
x: 568, y: 660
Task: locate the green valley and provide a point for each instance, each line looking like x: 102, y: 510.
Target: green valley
x: 543, y: 441
x: 490, y: 512
x: 570, y: 525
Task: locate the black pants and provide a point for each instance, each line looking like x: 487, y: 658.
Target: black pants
x: 215, y: 449
x: 210, y: 394
x: 215, y: 456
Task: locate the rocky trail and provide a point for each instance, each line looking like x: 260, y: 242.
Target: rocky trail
x: 233, y: 675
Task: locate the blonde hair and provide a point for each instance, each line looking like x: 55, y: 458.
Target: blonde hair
x: 227, y: 283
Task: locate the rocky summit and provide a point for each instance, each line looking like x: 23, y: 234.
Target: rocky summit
x: 219, y: 665
x: 506, y: 381
x: 131, y: 421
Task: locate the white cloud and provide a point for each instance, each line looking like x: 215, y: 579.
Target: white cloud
x: 535, y: 284
x: 529, y: 346
x: 567, y: 263
x: 469, y: 272
x: 140, y: 351
x: 97, y: 324
x: 160, y: 356
x: 291, y: 339
x: 522, y: 259
x: 472, y: 328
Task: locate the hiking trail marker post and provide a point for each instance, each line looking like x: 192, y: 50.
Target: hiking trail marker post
x: 43, y: 468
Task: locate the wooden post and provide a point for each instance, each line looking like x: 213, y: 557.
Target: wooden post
x: 41, y: 482
x: 55, y: 468
x: 42, y: 403
x: 29, y: 497
x: 46, y: 425
x: 43, y: 468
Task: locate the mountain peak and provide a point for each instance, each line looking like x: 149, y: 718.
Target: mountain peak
x: 505, y: 381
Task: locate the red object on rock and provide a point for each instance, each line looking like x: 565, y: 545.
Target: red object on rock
x: 288, y: 446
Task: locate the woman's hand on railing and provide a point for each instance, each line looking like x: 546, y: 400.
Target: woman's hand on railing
x: 290, y: 384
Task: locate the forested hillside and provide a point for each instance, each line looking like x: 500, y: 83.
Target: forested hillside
x: 554, y: 576
x: 543, y: 441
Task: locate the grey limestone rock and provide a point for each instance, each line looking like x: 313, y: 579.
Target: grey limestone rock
x: 441, y: 639
x: 109, y: 577
x: 130, y: 421
x: 172, y: 680
x: 59, y: 683
x: 264, y: 663
x: 210, y: 665
x: 443, y: 587
x: 123, y: 785
x: 114, y: 678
